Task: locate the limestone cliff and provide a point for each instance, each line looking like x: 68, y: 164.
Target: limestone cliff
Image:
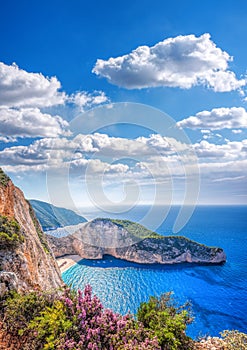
x: 123, y: 244
x: 24, y: 253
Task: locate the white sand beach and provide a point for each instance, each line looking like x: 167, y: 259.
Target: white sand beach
x: 65, y: 262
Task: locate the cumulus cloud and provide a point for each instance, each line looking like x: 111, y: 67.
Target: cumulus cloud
x: 84, y: 99
x: 30, y: 122
x: 49, y: 153
x: 75, y: 152
x: 154, y: 159
x: 228, y: 151
x: 21, y: 88
x: 217, y: 118
x: 95, y: 167
x: 183, y: 61
x: 7, y: 139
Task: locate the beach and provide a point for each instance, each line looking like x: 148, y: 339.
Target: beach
x: 65, y: 262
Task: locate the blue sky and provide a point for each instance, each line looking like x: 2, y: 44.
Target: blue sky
x: 185, y: 59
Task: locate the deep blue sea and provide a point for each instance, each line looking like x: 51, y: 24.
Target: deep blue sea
x: 218, y: 293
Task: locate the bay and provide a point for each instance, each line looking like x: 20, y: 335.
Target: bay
x: 218, y: 293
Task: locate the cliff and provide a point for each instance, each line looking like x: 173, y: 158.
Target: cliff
x: 51, y: 217
x: 26, y: 260
x: 126, y: 240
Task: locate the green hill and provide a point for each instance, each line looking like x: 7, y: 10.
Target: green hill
x: 51, y: 217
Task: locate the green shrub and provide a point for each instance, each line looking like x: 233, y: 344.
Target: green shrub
x: 20, y: 309
x: 4, y: 179
x: 135, y: 229
x: 51, y: 325
x: 18, y: 312
x: 72, y: 321
x: 167, y: 320
x: 234, y: 340
x: 10, y: 234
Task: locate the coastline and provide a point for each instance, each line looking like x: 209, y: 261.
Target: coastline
x: 67, y: 261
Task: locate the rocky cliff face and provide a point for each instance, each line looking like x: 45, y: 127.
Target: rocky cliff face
x: 29, y: 260
x: 161, y: 250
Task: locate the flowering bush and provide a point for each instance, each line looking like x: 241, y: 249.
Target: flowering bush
x: 77, y: 321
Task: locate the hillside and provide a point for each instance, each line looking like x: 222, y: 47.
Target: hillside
x: 130, y: 241
x: 51, y: 217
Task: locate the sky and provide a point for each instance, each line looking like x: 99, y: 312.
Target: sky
x: 107, y: 103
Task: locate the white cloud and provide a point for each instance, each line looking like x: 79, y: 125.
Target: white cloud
x: 225, y: 169
x: 95, y: 167
x: 221, y: 153
x: 57, y: 152
x: 154, y: 157
x: 30, y: 122
x: 237, y: 131
x: 21, y: 88
x: 7, y: 139
x: 226, y: 179
x: 217, y: 118
x: 183, y: 61
x: 84, y: 99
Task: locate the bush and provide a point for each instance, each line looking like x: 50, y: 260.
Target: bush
x: 234, y: 340
x: 78, y: 321
x: 167, y: 321
x: 20, y: 309
x: 10, y: 234
x: 4, y: 179
x: 51, y: 325
x: 73, y: 321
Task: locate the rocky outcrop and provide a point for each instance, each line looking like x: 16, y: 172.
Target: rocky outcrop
x: 8, y: 282
x: 31, y: 259
x: 150, y: 250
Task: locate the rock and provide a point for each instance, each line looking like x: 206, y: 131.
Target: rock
x: 211, y: 343
x: 32, y: 260
x: 8, y: 282
x: 105, y: 237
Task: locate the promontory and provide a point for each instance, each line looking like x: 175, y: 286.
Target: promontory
x: 133, y: 242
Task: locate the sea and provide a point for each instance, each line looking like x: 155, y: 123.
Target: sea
x: 217, y: 293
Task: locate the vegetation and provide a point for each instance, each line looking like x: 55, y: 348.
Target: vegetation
x: 73, y: 321
x: 70, y: 320
x: 135, y: 229
x: 20, y: 309
x: 51, y: 217
x: 167, y: 321
x: 142, y: 232
x: 40, y: 233
x: 10, y: 235
x: 4, y: 179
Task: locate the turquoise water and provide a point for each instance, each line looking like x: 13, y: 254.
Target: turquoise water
x: 218, y: 293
